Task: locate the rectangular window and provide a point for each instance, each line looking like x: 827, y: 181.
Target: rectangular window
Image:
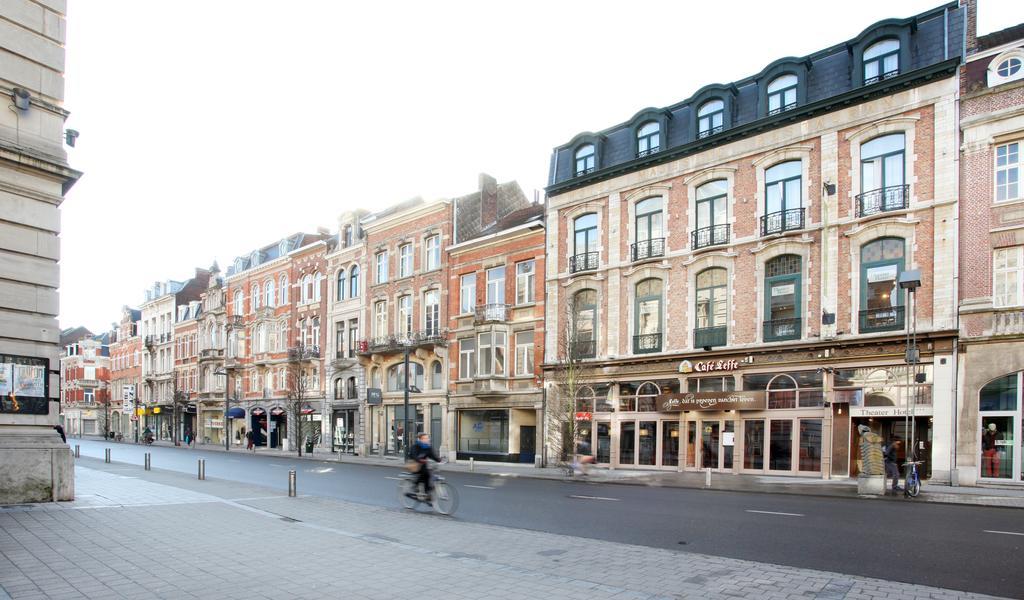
x: 525, y: 278
x: 499, y: 352
x: 485, y: 354
x: 483, y: 431
x: 405, y: 260
x: 1008, y: 167
x: 1008, y: 278
x: 433, y: 252
x: 380, y: 318
x: 382, y: 267
x: 432, y: 312
x: 524, y: 353
x: 339, y: 339
x: 467, y: 293
x: 90, y: 396
x: 810, y: 444
x: 353, y: 332
x: 496, y: 285
x: 467, y: 358
x: 405, y: 316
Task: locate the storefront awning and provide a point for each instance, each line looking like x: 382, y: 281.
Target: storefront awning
x: 236, y: 413
x: 276, y: 412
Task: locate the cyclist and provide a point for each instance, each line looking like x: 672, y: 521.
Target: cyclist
x: 420, y: 452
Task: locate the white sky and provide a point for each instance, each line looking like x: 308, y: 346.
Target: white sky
x: 209, y: 128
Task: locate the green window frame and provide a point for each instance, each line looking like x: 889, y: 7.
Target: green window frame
x: 783, y: 295
x: 881, y: 261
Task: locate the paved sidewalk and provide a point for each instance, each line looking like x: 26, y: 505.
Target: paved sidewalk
x: 981, y: 496
x: 161, y: 534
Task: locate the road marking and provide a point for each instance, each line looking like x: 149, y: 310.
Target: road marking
x: 395, y: 478
x: 768, y: 512
x: 1002, y: 532
x: 277, y: 465
x: 594, y: 498
x: 480, y: 487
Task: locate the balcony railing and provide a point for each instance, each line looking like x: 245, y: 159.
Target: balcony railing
x: 586, y: 171
x: 716, y: 235
x: 782, y: 109
x: 709, y: 132
x: 265, y: 312
x: 886, y: 75
x: 491, y: 313
x: 211, y: 353
x: 881, y: 319
x: 646, y: 342
x: 709, y: 337
x: 303, y: 353
x: 893, y: 197
x: 648, y: 152
x: 645, y: 249
x: 782, y: 221
x: 583, y: 349
x: 583, y: 262
x: 398, y: 343
x: 777, y: 330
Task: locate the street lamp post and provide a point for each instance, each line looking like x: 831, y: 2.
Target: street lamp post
x: 227, y: 403
x: 910, y: 281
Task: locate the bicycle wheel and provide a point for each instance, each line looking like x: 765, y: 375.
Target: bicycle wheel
x: 446, y: 499
x: 406, y: 486
x: 913, y: 486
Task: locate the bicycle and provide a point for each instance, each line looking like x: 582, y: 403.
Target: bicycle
x: 444, y: 499
x: 912, y: 485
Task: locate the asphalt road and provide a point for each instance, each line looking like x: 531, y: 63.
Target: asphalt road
x: 970, y: 548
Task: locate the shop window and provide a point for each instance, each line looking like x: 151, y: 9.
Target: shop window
x: 396, y: 376
x: 483, y: 431
x: 585, y: 399
x: 798, y: 389
x: 780, y: 451
x: 642, y: 399
x: 810, y: 445
x: 881, y: 262
x: 1000, y: 411
x: 753, y: 444
x: 726, y: 383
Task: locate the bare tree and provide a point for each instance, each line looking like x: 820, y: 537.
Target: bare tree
x: 298, y: 384
x: 179, y: 401
x: 569, y: 375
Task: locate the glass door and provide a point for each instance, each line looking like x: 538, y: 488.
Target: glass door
x: 691, y: 444
x: 670, y: 443
x: 780, y: 447
x: 627, y: 443
x: 709, y: 441
x: 648, y: 439
x: 753, y: 444
x: 604, y: 442
x: 728, y: 444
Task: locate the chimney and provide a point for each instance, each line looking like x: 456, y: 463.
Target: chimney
x: 971, y: 24
x: 488, y: 200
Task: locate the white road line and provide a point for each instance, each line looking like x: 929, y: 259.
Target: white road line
x: 594, y: 498
x: 480, y: 487
x: 395, y: 478
x: 768, y: 512
x: 1002, y: 532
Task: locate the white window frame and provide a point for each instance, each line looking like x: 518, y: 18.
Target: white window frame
x: 381, y: 262
x: 485, y: 356
x: 403, y: 312
x: 255, y: 297
x: 498, y: 286
x: 467, y: 358
x: 380, y: 318
x: 526, y: 282
x: 1001, y: 273
x: 467, y: 293
x: 524, y: 352
x: 1015, y: 167
x: 405, y: 263
x: 432, y: 312
x: 433, y: 252
x: 499, y: 350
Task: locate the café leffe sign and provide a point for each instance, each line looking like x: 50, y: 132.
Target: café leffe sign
x: 713, y: 401
x: 708, y: 366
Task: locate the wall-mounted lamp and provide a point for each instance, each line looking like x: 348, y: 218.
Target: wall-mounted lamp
x: 70, y: 135
x: 828, y: 188
x: 828, y: 318
x: 22, y: 98
x: 910, y: 280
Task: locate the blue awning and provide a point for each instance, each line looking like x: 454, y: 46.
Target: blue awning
x: 236, y: 413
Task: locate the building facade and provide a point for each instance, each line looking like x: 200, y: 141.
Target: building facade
x: 85, y: 386
x: 210, y: 425
x: 496, y: 325
x: 727, y: 269
x: 346, y: 387
x: 405, y: 314
x: 35, y: 464
x: 125, y: 373
x: 186, y: 369
x: 990, y: 279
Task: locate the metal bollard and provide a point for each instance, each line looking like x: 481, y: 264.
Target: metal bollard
x: 707, y: 478
x: 202, y: 468
x: 291, y: 484
x: 106, y: 455
x: 78, y: 451
x: 471, y: 465
x: 147, y: 465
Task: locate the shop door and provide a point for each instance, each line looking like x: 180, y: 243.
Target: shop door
x: 670, y: 443
x: 604, y: 442
x: 647, y: 443
x: 527, y: 443
x: 709, y: 441
x: 753, y: 445
x: 627, y: 443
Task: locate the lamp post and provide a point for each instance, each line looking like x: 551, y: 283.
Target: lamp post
x: 227, y: 402
x: 910, y: 281
x: 408, y: 387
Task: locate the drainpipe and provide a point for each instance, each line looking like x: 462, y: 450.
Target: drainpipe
x: 954, y: 477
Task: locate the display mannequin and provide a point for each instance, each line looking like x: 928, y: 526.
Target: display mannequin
x: 990, y: 451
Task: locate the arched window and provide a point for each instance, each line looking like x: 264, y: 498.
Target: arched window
x: 339, y: 389
x: 260, y: 343
x: 239, y: 303
x: 585, y: 159
x: 710, y: 118
x: 396, y: 376
x: 585, y: 243
x: 881, y: 300
x: 648, y: 138
x: 583, y: 332
x: 350, y: 389
x: 712, y: 215
x: 254, y: 296
x: 375, y: 380
x: 882, y: 176
x: 649, y: 231
x: 881, y: 60
x: 712, y: 308
x: 647, y: 330
x: 1000, y: 411
x: 269, y: 295
x: 341, y: 283
x: 782, y: 293
x: 435, y: 375
x: 353, y: 282
x: 782, y: 94
x: 317, y: 285
x: 284, y: 290
x: 307, y: 288
x: 783, y: 198
x: 782, y: 392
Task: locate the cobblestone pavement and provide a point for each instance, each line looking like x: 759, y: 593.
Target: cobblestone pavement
x: 160, y: 534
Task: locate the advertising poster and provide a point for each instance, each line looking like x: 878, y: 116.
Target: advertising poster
x: 6, y: 381
x: 24, y: 385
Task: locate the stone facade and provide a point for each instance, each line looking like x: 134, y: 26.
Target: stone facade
x: 85, y: 387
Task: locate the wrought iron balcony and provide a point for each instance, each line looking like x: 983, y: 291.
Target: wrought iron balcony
x: 398, y: 343
x: 648, y: 152
x: 582, y: 349
x: 492, y: 313
x: 782, y: 221
x: 709, y: 132
x: 583, y: 172
x: 881, y: 319
x: 583, y: 262
x: 304, y: 353
x: 647, y: 342
x: 709, y: 337
x: 893, y: 197
x: 782, y: 109
x: 886, y: 75
x: 716, y: 235
x: 777, y: 330
x: 644, y: 249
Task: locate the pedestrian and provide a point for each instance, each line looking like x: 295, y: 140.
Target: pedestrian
x: 60, y: 430
x: 249, y: 443
x: 585, y: 457
x: 892, y: 466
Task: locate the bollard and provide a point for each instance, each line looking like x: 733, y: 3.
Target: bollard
x: 78, y: 451
x: 291, y: 484
x: 106, y: 455
x: 202, y: 468
x: 147, y: 465
x: 707, y: 479
x: 471, y: 465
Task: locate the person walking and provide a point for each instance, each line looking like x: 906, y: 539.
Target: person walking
x: 892, y: 465
x: 249, y: 444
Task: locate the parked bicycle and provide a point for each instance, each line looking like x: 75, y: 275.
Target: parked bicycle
x: 443, y: 498
x: 912, y: 486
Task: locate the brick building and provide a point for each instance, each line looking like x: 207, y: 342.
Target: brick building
x: 406, y: 311
x: 991, y: 265
x: 212, y: 330
x: 727, y: 267
x: 496, y: 325
x: 125, y: 372
x: 186, y: 369
x: 85, y: 385
x: 276, y: 305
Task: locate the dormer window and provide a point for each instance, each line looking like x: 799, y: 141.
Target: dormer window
x: 881, y: 60
x: 238, y: 265
x: 648, y: 139
x: 585, y: 160
x: 282, y: 248
x: 782, y: 94
x: 710, y: 118
x: 254, y: 259
x: 1007, y: 67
